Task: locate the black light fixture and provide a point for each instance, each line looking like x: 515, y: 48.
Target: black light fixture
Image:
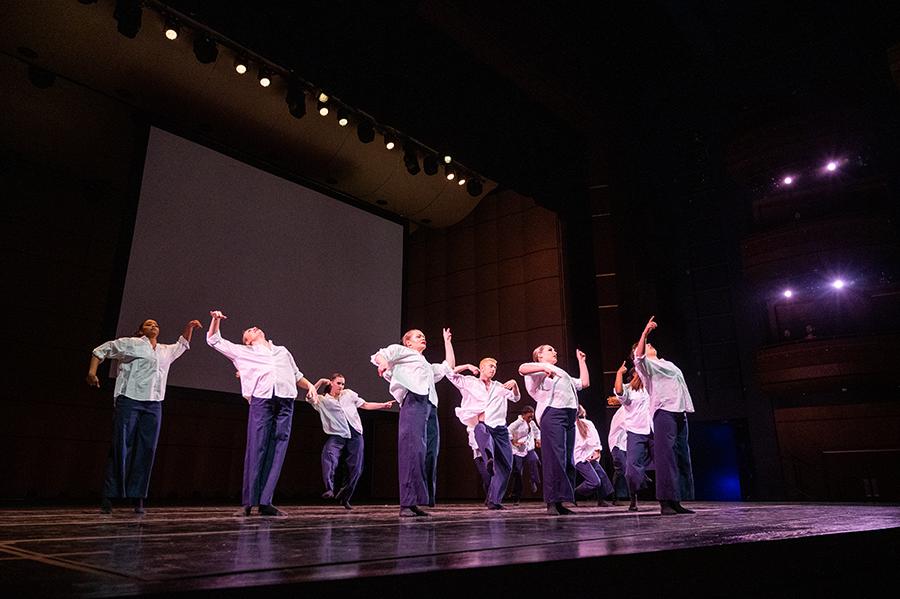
x: 296, y: 101
x: 40, y: 78
x: 128, y: 16
x: 205, y: 49
x: 410, y: 159
x: 474, y: 187
x: 365, y: 131
x: 172, y: 29
x: 430, y: 164
x: 265, y: 77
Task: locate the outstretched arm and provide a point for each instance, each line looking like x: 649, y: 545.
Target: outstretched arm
x: 375, y: 405
x: 189, y: 329
x: 583, y: 369
x: 321, y: 382
x: 449, y: 356
x: 463, y: 367
x: 641, y: 346
x: 217, y: 317
x: 617, y: 386
x: 302, y: 383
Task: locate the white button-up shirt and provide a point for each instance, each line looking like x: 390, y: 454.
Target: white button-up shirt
x: 478, y: 398
x: 338, y: 415
x: 636, y: 405
x: 266, y: 369
x: 408, y: 370
x: 618, y: 434
x: 665, y: 384
x: 586, y: 445
x: 476, y: 453
x: 526, y: 432
x: 561, y: 391
x: 143, y: 370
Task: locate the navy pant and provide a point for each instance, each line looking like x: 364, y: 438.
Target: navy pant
x: 418, y: 440
x: 268, y: 433
x: 619, y: 458
x: 135, y: 434
x: 674, y: 476
x: 557, y: 445
x: 639, y: 459
x: 494, y: 444
x: 595, y: 480
x: 531, y: 462
x: 483, y: 473
x: 351, y: 450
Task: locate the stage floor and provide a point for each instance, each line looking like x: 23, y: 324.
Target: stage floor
x: 80, y: 552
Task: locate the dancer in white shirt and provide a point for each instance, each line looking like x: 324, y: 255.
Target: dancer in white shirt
x: 525, y: 436
x: 412, y: 381
x: 635, y: 402
x: 269, y: 381
x: 337, y: 409
x: 587, y: 453
x: 137, y: 402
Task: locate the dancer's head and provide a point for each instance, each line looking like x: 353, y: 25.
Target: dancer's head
x: 544, y: 353
x: 649, y: 350
x: 636, y: 383
x: 253, y: 335
x: 414, y: 339
x: 488, y: 368
x: 580, y: 423
x: 336, y: 384
x: 527, y: 413
x: 148, y: 328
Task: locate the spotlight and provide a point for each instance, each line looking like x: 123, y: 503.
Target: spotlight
x: 322, y: 106
x: 240, y: 65
x: 449, y: 172
x: 389, y: 142
x: 831, y: 166
x: 128, y: 17
x: 411, y: 160
x: 430, y: 164
x: 323, y: 97
x: 787, y: 293
x: 296, y: 101
x: 474, y: 187
x: 172, y: 28
x: 838, y: 284
x: 461, y: 181
x: 365, y: 131
x: 343, y: 117
x: 448, y: 159
x: 205, y: 49
x: 788, y: 180
x: 265, y: 77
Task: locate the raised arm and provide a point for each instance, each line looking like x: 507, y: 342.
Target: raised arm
x: 217, y: 317
x: 449, y: 356
x: 583, y: 369
x: 189, y: 329
x: 641, y: 346
x: 513, y: 385
x: 375, y: 405
x: 321, y: 382
x: 617, y: 386
x: 463, y: 367
x: 302, y: 383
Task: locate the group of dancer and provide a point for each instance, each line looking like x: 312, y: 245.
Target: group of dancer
x: 654, y: 407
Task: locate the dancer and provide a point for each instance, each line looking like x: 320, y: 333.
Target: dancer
x: 137, y: 407
x: 412, y: 381
x: 587, y: 460
x: 340, y: 421
x: 483, y: 407
x: 618, y: 442
x: 670, y: 403
x: 556, y: 394
x: 269, y: 381
x: 635, y: 402
x: 479, y: 462
x: 525, y: 436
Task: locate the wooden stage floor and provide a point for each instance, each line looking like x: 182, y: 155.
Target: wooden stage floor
x: 725, y: 549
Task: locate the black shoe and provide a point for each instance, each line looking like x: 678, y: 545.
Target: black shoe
x: 534, y: 488
x: 680, y: 508
x: 106, y: 505
x: 346, y: 503
x: 495, y: 506
x: 666, y: 508
x: 412, y: 511
x: 328, y: 494
x: 139, y: 506
x: 243, y: 512
x: 632, y: 507
x: 558, y: 509
x: 270, y: 510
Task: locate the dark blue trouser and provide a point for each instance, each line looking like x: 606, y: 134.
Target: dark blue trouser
x: 557, y: 445
x: 619, y: 458
x: 674, y: 476
x: 639, y: 459
x: 418, y: 440
x: 135, y: 434
x: 494, y: 444
x: 351, y: 450
x: 483, y: 473
x: 268, y: 433
x: 532, y: 463
x: 595, y: 480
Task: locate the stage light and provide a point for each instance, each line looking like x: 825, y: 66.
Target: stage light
x: 449, y: 172
x: 240, y: 65
x: 430, y: 164
x: 322, y: 106
x: 265, y: 77
x: 128, y: 16
x: 172, y: 29
x: 838, y: 284
x: 461, y: 181
x: 831, y: 166
x: 474, y: 187
x: 389, y: 142
x: 343, y: 117
x: 788, y: 180
x: 205, y: 49
x: 411, y: 160
x: 365, y: 131
x: 296, y: 101
x: 787, y: 293
x: 448, y: 159
x: 323, y: 97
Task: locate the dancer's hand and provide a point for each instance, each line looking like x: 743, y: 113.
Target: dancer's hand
x: 613, y: 401
x: 194, y: 324
x: 580, y: 355
x: 92, y: 380
x: 622, y: 369
x: 511, y: 384
x: 651, y: 324
x: 387, y: 404
x: 447, y: 335
x: 217, y: 314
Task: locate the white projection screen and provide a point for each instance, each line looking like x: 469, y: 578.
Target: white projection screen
x: 319, y: 276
